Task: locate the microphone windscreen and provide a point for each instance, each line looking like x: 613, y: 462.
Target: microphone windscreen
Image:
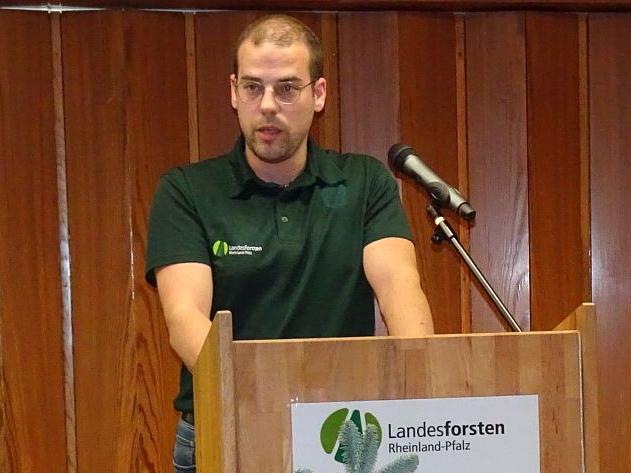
x: 397, y: 155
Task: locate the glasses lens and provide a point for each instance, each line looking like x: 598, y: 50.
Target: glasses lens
x: 287, y: 93
x: 250, y: 91
x: 284, y: 92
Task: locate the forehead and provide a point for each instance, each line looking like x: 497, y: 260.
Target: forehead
x: 270, y: 61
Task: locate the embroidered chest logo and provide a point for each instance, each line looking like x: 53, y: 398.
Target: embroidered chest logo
x: 222, y: 248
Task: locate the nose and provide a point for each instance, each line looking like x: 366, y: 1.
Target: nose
x: 268, y: 101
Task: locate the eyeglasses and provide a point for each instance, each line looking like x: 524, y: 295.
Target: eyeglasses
x: 250, y: 91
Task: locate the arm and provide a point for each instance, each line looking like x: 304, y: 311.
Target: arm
x: 186, y: 291
x: 390, y: 267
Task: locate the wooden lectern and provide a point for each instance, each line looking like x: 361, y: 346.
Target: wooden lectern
x: 243, y: 389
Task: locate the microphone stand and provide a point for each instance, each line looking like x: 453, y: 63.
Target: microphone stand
x: 444, y: 232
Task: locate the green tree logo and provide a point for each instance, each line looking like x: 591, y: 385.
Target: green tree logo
x: 220, y: 248
x: 358, y: 448
x: 330, y: 430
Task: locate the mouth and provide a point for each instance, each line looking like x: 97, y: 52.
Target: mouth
x: 268, y: 132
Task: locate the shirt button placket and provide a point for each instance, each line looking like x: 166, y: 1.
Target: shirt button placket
x: 282, y: 219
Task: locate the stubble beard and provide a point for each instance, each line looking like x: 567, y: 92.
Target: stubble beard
x: 276, y: 152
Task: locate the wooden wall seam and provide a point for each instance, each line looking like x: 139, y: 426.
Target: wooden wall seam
x: 463, y: 165
x: 584, y: 150
x: 64, y: 249
x: 191, y: 84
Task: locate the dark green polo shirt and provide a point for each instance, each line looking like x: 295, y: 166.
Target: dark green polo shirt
x: 287, y: 262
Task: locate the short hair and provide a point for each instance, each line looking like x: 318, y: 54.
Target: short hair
x: 282, y: 30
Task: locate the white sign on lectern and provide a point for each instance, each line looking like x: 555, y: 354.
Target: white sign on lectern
x: 498, y: 434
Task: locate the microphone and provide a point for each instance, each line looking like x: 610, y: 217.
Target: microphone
x: 403, y: 158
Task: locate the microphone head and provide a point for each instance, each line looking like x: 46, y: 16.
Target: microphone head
x: 397, y: 154
x: 466, y: 212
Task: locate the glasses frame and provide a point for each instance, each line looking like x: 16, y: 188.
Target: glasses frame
x: 300, y: 88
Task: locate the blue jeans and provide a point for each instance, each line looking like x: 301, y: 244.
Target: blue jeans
x: 184, y: 448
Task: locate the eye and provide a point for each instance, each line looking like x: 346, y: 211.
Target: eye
x: 287, y: 87
x: 251, y: 87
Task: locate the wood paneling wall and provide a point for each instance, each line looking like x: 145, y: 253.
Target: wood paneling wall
x: 31, y: 310
x: 525, y: 112
x: 610, y: 116
x: 498, y: 166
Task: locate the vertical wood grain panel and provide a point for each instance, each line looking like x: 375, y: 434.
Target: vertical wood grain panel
x: 31, y: 345
x: 157, y: 137
x: 326, y: 124
x: 610, y: 106
x: 126, y: 109
x: 216, y: 33
x: 99, y: 226
x: 368, y: 89
x: 554, y: 168
x: 498, y: 181
x: 429, y: 124
x: 328, y: 121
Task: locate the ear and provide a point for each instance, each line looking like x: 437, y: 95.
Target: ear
x: 233, y: 91
x: 319, y: 94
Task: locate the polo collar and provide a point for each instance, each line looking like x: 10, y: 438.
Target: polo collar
x: 320, y: 169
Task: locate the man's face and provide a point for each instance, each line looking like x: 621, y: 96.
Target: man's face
x: 276, y: 132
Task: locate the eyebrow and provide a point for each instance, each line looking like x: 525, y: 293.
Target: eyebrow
x: 284, y: 79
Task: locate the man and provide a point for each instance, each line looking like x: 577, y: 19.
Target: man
x: 294, y: 240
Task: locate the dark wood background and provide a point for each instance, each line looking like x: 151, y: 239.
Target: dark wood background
x: 526, y: 112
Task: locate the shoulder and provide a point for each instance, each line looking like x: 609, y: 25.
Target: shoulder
x: 203, y: 168
x: 349, y: 158
x: 204, y: 174
x: 352, y: 165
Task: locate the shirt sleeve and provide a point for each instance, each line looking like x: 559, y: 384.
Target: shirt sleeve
x: 175, y: 233
x: 385, y: 216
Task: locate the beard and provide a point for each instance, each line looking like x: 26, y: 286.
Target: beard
x: 278, y: 148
